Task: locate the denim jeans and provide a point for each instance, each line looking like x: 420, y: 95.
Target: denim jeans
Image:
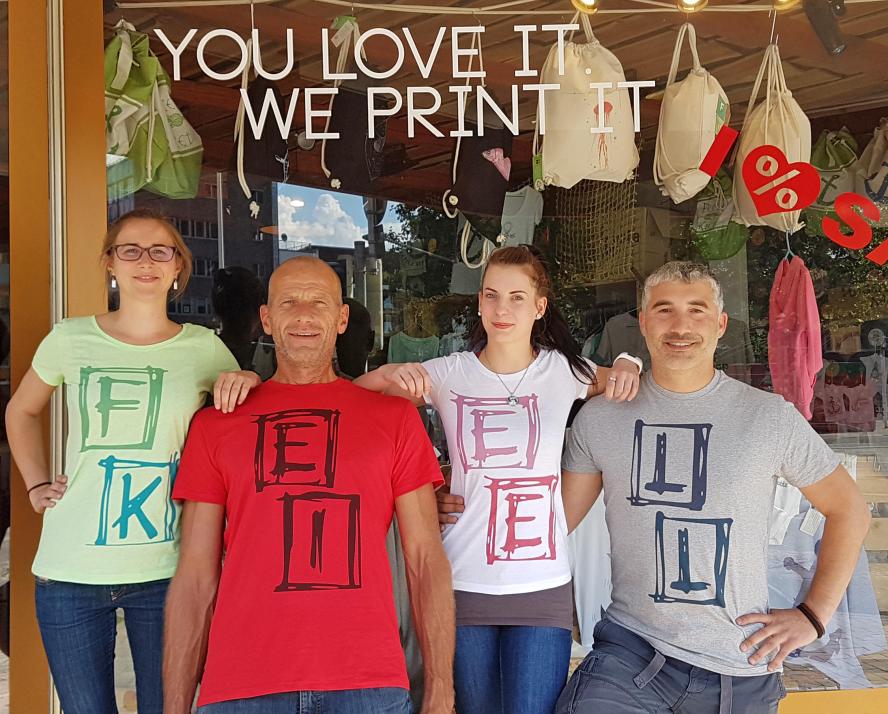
x: 625, y: 675
x: 510, y: 669
x: 78, y: 624
x: 383, y: 700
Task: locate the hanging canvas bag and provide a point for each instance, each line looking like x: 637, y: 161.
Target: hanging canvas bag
x: 355, y: 160
x: 715, y: 235
x: 143, y: 123
x: 871, y: 172
x: 778, y: 121
x: 571, y: 151
x: 692, y: 112
x: 834, y: 156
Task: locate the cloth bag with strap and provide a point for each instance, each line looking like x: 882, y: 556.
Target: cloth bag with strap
x: 355, y: 160
x: 692, y: 112
x: 871, y: 172
x: 778, y: 121
x: 481, y: 167
x: 834, y: 156
x: 571, y: 152
x: 165, y: 156
x: 715, y: 235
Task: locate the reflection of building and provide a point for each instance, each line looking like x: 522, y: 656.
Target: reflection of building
x: 244, y: 243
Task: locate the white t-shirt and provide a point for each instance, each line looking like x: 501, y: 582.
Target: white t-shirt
x: 506, y: 464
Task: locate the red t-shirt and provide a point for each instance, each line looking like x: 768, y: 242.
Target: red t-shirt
x: 308, y: 475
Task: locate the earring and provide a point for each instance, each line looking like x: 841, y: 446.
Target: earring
x: 539, y: 316
x: 479, y: 313
x: 113, y: 283
x: 175, y: 283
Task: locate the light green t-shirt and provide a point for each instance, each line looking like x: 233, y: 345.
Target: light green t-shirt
x: 129, y: 408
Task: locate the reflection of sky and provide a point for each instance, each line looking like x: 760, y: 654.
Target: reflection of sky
x: 324, y: 218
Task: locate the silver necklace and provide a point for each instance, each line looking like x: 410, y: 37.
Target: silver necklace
x: 513, y: 400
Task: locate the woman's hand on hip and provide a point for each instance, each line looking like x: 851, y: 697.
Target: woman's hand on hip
x: 49, y: 494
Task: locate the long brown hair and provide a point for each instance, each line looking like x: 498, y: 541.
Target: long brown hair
x: 146, y: 214
x: 551, y: 331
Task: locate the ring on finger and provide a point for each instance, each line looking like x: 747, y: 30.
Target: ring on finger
x: 611, y: 379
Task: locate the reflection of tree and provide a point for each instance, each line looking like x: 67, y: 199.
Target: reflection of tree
x: 429, y: 230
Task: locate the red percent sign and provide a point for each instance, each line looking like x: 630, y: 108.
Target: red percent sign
x: 778, y: 186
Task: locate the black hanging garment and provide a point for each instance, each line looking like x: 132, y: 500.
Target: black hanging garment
x: 354, y: 161
x: 481, y: 168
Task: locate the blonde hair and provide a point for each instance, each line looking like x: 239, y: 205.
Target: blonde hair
x: 146, y: 214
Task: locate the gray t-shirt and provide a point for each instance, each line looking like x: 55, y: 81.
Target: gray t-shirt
x: 689, y: 483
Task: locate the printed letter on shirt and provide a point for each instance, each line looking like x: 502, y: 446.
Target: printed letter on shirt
x: 131, y: 491
x: 490, y: 437
x: 107, y: 397
x: 522, y: 519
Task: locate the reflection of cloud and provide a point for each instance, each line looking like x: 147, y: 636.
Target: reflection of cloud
x: 326, y: 223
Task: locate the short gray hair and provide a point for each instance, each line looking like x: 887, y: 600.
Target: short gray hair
x: 686, y: 272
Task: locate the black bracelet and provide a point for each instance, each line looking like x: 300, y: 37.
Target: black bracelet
x: 38, y: 485
x: 812, y: 618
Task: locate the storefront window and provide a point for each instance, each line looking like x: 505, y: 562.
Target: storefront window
x: 412, y: 264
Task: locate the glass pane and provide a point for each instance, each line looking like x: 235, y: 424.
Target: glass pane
x: 405, y: 261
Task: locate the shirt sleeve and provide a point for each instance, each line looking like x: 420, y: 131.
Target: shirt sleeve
x: 198, y: 478
x: 537, y: 208
x: 579, y: 455
x: 438, y: 369
x: 223, y: 360
x: 807, y: 458
x: 47, y: 361
x: 415, y: 463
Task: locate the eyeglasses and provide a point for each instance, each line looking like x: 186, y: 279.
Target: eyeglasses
x: 132, y: 252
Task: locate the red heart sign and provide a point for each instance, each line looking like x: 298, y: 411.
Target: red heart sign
x: 777, y: 186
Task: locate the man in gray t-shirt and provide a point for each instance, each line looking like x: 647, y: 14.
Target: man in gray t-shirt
x: 689, y: 470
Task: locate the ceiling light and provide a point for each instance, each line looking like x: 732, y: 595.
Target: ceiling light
x: 297, y: 202
x: 822, y: 16
x: 590, y: 7
x: 783, y: 5
x: 690, y: 5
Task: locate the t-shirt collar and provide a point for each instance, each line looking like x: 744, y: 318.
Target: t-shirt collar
x: 648, y: 380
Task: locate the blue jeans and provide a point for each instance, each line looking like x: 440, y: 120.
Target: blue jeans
x: 383, y: 700
x: 78, y: 624
x: 625, y: 675
x: 503, y: 669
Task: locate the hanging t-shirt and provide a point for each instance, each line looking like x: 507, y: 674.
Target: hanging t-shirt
x: 522, y: 211
x: 622, y: 334
x: 506, y: 464
x: 689, y: 485
x: 404, y: 348
x: 308, y: 483
x: 129, y: 407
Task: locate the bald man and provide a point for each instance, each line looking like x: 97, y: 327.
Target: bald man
x: 296, y: 489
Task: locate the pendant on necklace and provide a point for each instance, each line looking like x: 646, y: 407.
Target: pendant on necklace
x: 513, y: 401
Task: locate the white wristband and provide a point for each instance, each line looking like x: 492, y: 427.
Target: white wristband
x: 634, y: 360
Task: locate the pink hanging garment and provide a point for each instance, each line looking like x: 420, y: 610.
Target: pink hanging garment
x: 794, y: 350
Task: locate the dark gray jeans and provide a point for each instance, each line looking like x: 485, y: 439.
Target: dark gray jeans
x: 625, y: 675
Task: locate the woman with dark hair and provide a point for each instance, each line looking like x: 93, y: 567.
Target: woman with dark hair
x: 110, y: 536
x: 504, y: 404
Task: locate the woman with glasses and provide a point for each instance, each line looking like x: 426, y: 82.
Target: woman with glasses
x: 133, y: 378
